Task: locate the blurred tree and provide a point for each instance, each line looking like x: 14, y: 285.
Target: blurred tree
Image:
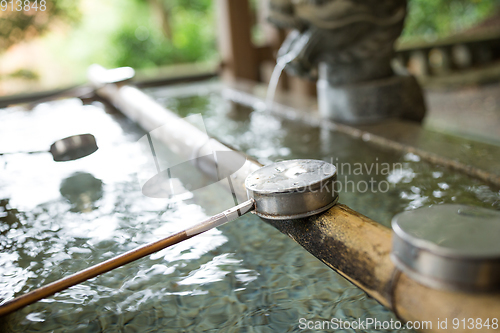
x: 184, y: 32
x: 16, y: 26
x: 162, y: 9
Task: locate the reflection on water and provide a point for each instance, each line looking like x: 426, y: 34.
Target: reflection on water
x: 82, y: 190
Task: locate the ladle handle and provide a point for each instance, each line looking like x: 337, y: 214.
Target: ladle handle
x: 24, y: 152
x: 123, y: 259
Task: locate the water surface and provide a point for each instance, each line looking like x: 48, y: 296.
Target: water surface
x: 59, y: 218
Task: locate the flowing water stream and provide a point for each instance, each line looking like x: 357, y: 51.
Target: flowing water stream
x: 292, y: 48
x: 273, y: 83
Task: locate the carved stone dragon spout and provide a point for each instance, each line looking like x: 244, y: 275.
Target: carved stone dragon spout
x: 348, y: 46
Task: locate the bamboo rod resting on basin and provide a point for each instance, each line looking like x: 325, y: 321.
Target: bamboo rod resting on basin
x: 348, y: 242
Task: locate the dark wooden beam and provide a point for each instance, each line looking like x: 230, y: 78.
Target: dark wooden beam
x: 239, y: 56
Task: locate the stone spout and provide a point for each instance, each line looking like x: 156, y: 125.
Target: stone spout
x: 348, y: 46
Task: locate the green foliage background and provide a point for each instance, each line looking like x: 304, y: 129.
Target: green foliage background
x: 118, y: 33
x: 141, y: 42
x: 440, y: 18
x: 128, y: 33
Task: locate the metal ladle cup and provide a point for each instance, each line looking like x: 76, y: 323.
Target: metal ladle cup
x: 293, y: 189
x: 68, y: 149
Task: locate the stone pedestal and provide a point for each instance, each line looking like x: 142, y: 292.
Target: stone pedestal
x: 397, y: 96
